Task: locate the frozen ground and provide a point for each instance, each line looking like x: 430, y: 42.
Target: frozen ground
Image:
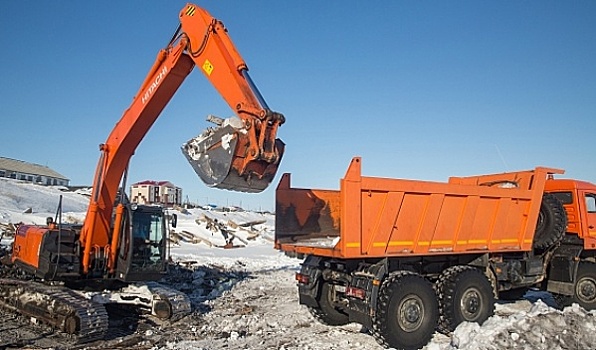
x: 246, y: 297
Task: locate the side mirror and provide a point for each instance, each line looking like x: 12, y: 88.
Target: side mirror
x: 174, y: 220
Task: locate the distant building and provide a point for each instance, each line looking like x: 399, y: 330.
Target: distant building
x: 155, y: 192
x: 40, y: 174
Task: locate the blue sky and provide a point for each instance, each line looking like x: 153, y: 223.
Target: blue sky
x: 419, y: 89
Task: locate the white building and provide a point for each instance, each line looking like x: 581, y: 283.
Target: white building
x: 156, y: 192
x: 40, y: 174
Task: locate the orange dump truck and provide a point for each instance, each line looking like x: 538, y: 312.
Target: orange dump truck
x: 407, y: 257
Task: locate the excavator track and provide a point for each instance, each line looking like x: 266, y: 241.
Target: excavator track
x: 159, y: 300
x: 57, y: 306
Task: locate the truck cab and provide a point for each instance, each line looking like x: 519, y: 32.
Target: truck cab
x: 579, y: 201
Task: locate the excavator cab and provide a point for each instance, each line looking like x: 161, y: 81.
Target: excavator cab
x: 143, y: 250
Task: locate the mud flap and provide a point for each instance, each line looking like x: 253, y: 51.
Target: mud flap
x: 369, y: 279
x: 218, y: 157
x: 307, y: 293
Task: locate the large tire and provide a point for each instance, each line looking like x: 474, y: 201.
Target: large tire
x: 584, y: 291
x: 327, y: 313
x: 407, y: 311
x: 551, y: 224
x: 465, y: 295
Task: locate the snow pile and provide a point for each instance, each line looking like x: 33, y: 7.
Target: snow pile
x: 541, y: 327
x: 210, y: 228
x: 22, y: 201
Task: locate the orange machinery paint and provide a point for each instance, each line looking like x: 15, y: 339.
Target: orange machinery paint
x: 381, y: 217
x: 27, y: 243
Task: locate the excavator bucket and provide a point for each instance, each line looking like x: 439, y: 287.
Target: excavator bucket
x: 218, y: 156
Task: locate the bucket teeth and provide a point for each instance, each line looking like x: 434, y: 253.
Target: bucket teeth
x: 218, y: 156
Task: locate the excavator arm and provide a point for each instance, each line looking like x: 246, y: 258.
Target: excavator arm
x: 241, y: 153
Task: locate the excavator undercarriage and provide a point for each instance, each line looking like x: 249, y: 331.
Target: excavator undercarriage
x: 83, y: 315
x: 50, y: 288
x: 57, y: 306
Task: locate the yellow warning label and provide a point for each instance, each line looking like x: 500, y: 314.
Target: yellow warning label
x: 207, y: 67
x: 190, y: 11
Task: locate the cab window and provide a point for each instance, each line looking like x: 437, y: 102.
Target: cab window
x: 591, y: 203
x: 564, y: 197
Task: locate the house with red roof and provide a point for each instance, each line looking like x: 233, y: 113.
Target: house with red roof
x: 156, y: 192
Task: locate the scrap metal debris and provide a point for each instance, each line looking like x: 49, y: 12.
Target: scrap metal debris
x: 7, y: 229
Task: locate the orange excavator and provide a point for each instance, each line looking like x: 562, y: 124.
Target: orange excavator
x: 121, y: 244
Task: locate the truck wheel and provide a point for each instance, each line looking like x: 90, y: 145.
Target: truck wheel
x: 585, y: 288
x: 327, y: 313
x: 407, y: 311
x: 552, y: 222
x: 465, y: 294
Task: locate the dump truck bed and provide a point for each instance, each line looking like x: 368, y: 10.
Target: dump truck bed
x: 372, y: 217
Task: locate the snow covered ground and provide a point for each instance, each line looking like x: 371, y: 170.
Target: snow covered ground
x: 246, y: 297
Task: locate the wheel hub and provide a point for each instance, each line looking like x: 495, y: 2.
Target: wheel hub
x: 586, y: 290
x: 471, y: 304
x: 411, y: 311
